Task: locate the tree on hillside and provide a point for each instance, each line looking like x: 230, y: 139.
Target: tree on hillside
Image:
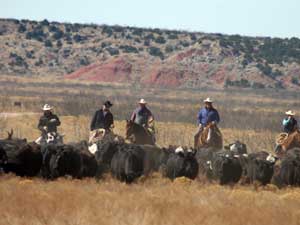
x: 160, y: 40
x: 156, y: 52
x: 48, y: 43
x: 22, y: 28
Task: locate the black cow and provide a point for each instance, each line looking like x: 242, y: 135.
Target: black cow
x: 61, y: 160
x: 24, y: 160
x: 182, y: 163
x: 225, y: 167
x: 288, y: 172
x: 258, y: 166
x: 104, y: 154
x: 154, y: 157
x: 89, y: 164
x: 237, y: 147
x: 127, y: 163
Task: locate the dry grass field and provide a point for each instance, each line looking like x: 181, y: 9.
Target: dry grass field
x: 153, y: 200
x: 251, y: 117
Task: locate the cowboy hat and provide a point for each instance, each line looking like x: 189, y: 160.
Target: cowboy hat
x: 108, y: 104
x: 290, y: 113
x: 208, y: 100
x: 47, y: 107
x: 142, y: 101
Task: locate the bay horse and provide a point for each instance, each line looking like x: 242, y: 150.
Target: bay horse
x: 137, y: 134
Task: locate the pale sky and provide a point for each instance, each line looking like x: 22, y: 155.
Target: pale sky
x: 275, y: 18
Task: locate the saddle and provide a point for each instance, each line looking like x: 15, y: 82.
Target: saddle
x: 288, y: 141
x: 209, y: 133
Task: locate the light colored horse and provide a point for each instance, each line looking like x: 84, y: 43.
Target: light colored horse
x: 285, y: 142
x: 210, y: 137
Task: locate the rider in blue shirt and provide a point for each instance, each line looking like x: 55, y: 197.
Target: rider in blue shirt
x: 208, y: 114
x: 289, y: 123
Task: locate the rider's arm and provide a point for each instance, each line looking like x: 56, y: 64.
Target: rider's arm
x: 199, y: 117
x: 133, y: 115
x: 150, y: 117
x: 285, y: 121
x: 57, y: 121
x: 41, y: 125
x: 217, y: 117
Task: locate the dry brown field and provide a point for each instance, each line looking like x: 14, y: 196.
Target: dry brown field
x: 251, y: 117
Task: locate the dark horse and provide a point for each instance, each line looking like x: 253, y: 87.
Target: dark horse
x: 137, y: 134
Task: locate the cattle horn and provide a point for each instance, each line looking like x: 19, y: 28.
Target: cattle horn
x: 10, y: 134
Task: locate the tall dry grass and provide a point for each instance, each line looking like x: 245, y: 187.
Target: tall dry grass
x: 149, y: 201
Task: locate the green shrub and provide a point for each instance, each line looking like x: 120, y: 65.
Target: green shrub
x: 295, y: 80
x: 172, y: 36
x: 160, y: 40
x: 112, y: 51
x: 45, y: 22
x: 129, y: 49
x: 156, y: 52
x: 58, y: 44
x: 58, y: 34
x: 22, y: 28
x: 169, y: 49
x: 257, y: 85
x: 48, y: 43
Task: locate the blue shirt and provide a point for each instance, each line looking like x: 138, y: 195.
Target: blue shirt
x: 289, y: 125
x: 206, y: 116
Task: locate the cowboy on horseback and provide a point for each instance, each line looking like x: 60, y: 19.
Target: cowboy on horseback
x: 289, y: 123
x: 102, y: 122
x: 207, y: 116
x: 48, y: 124
x: 144, y: 117
x: 291, y: 136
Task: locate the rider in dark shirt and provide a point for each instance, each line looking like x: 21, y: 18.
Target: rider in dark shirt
x: 103, y: 118
x: 48, y: 122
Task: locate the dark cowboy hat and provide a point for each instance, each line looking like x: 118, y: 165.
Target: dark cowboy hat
x: 108, y: 104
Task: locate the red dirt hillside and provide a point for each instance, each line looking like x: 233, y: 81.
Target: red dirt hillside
x: 114, y: 70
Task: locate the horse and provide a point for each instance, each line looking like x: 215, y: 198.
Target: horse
x: 285, y: 142
x: 137, y: 134
x: 210, y: 137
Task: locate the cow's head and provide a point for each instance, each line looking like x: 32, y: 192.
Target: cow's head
x: 237, y: 147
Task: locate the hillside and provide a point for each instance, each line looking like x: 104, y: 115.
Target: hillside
x: 153, y: 57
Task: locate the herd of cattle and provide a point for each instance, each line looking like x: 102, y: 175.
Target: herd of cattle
x: 127, y: 162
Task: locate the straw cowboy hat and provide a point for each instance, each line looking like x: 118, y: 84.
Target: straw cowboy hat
x: 142, y: 101
x: 208, y: 100
x: 290, y: 113
x: 47, y: 107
